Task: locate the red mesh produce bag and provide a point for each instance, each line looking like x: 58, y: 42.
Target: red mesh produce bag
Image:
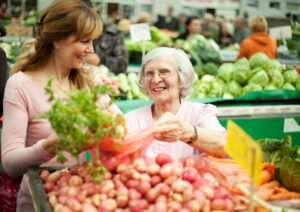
x: 9, y: 188
x: 114, y: 152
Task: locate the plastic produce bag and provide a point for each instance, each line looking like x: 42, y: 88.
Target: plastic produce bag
x: 114, y: 152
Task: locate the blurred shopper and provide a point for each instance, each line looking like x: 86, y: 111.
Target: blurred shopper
x: 181, y: 22
x: 144, y: 17
x: 259, y: 40
x: 241, y: 31
x: 193, y: 27
x: 2, y: 29
x: 209, y: 28
x: 225, y: 36
x: 4, y: 11
x: 168, y: 22
x: 4, y: 72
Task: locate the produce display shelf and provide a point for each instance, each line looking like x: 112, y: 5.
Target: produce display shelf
x: 39, y: 196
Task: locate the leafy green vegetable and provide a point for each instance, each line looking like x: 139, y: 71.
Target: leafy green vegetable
x: 234, y: 88
x: 261, y: 78
x: 241, y: 71
x: 225, y: 71
x: 259, y: 60
x: 288, y: 86
x: 79, y: 121
x: 276, y: 78
x: 290, y: 76
x: 210, y: 68
x: 298, y: 84
x: 275, y: 64
x: 270, y: 87
x: 251, y: 87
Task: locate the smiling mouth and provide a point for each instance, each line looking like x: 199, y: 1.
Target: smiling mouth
x: 159, y: 89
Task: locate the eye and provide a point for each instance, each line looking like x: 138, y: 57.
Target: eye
x: 85, y: 40
x: 149, y: 74
x: 164, y: 72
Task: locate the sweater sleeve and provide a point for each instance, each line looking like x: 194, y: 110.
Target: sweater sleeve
x: 17, y: 157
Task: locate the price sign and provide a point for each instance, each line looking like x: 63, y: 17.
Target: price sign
x: 283, y: 32
x: 244, y: 150
x: 140, y: 32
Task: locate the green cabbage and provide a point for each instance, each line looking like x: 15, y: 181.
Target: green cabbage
x: 276, y: 78
x: 298, y: 84
x: 290, y: 75
x: 234, y: 88
x: 288, y: 86
x: 270, y: 87
x: 259, y: 60
x: 225, y: 71
x: 261, y: 78
x: 275, y: 64
x: 241, y: 71
x: 251, y: 87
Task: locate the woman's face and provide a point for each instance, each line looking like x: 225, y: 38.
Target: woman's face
x: 195, y: 26
x: 72, y: 52
x: 161, y: 80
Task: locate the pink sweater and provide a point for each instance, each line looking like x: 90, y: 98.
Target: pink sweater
x: 22, y: 133
x: 201, y: 115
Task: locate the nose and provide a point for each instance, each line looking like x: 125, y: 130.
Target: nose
x: 156, y: 77
x: 90, y: 48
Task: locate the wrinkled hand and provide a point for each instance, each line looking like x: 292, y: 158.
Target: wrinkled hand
x: 169, y: 128
x: 93, y: 59
x: 51, y: 143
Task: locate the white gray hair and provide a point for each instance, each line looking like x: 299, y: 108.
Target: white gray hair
x: 181, y: 62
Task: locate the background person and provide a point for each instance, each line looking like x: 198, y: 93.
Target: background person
x: 193, y: 27
x: 64, y: 34
x: 241, y: 31
x: 259, y: 40
x: 183, y: 128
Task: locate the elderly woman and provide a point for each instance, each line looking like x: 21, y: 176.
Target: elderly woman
x: 259, y: 40
x: 182, y: 128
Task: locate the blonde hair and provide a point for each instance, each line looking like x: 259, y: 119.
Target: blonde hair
x: 59, y: 21
x: 258, y: 24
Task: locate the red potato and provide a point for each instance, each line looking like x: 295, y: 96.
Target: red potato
x: 208, y: 191
x: 153, y: 169
x: 178, y: 168
x: 65, y: 209
x: 88, y: 189
x: 166, y: 170
x: 54, y: 176
x: 164, y: 189
x: 107, y: 186
x: 152, y: 194
x: 177, y: 197
x: 87, y: 178
x: 82, y: 171
x: 206, y: 206
x: 193, y: 205
x: 57, y: 207
x: 122, y: 191
x: 63, y: 191
x: 220, y: 193
x: 107, y: 176
x: 161, y: 198
x: 52, y: 201
x: 161, y: 206
x: 96, y: 199
x: 183, y: 210
x: 72, y: 191
x: 108, y: 205
x: 155, y: 179
x: 229, y: 206
x: 112, y: 194
x: 122, y: 201
x: 174, y: 206
x: 64, y: 179
x: 52, y: 193
x: 44, y: 175
x: 132, y: 183
x: 199, y: 196
x: 74, y: 204
x: 74, y: 169
x: 143, y: 187
x: 134, y: 194
x: 136, y: 205
x: 62, y: 199
x: 140, y: 165
x: 88, y: 208
x: 75, y: 180
x: 188, y: 162
x: 217, y: 204
x: 188, y: 195
x: 179, y: 186
x: 48, y: 186
x: 163, y: 158
x: 170, y: 180
x: 189, y: 174
x: 145, y: 177
x: 121, y: 167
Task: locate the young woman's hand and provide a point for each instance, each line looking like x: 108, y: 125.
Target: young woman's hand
x: 50, y: 143
x: 169, y: 128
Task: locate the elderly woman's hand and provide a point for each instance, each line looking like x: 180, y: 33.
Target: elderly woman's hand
x: 169, y: 128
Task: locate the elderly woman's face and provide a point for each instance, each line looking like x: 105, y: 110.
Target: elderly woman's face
x: 161, y: 80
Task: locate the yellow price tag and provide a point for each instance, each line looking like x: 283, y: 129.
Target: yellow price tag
x: 241, y: 147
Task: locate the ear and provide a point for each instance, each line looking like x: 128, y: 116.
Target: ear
x: 56, y: 44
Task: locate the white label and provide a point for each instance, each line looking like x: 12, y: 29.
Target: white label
x: 140, y: 32
x: 290, y: 125
x: 281, y: 32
